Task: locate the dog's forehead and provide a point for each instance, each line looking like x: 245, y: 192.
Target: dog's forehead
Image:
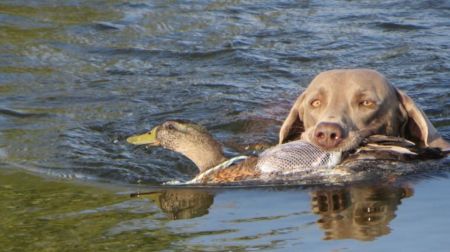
x: 351, y: 78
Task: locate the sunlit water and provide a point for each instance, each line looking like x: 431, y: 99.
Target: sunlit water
x: 78, y: 77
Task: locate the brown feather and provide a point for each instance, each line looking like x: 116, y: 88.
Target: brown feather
x: 245, y: 170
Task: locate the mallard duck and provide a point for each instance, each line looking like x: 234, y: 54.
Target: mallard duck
x: 196, y: 143
x: 296, y: 157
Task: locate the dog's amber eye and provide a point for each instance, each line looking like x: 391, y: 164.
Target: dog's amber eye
x: 367, y: 103
x: 316, y: 103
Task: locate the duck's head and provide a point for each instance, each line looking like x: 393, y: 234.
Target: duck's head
x: 188, y: 138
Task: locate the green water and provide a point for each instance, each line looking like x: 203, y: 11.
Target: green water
x: 46, y: 215
x: 42, y: 214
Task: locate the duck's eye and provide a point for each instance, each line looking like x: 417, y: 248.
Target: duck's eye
x: 367, y: 103
x: 170, y: 126
x: 316, y: 103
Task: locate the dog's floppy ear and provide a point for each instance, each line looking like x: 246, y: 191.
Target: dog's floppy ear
x: 292, y: 126
x: 417, y: 125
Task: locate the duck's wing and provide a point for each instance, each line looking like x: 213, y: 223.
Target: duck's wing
x: 388, y: 140
x: 382, y: 147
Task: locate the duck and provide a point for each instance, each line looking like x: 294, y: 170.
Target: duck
x: 275, y: 163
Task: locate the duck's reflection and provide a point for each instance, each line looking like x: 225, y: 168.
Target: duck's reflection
x: 181, y: 203
x: 361, y: 213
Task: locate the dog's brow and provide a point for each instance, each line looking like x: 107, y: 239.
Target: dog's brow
x: 364, y: 93
x: 320, y: 92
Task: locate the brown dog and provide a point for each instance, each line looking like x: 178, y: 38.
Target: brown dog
x: 341, y: 107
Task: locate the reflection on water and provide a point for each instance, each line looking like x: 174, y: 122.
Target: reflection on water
x: 356, y: 212
x: 362, y: 213
x: 39, y: 214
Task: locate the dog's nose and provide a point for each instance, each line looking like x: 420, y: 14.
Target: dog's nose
x: 328, y: 135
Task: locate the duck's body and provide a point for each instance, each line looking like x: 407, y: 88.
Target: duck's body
x: 244, y: 170
x: 293, y: 160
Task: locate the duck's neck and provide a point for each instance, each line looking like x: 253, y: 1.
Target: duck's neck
x: 205, y: 155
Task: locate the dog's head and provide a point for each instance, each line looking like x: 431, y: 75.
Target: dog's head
x: 341, y: 107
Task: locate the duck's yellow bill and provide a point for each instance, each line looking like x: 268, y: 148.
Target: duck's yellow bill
x: 146, y: 138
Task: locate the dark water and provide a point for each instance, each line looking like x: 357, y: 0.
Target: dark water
x: 78, y: 77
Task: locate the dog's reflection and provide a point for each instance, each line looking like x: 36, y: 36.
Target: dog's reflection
x: 361, y: 213
x: 181, y: 203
